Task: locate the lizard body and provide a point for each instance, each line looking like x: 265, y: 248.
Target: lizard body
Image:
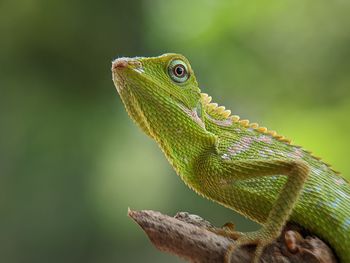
x: 242, y: 166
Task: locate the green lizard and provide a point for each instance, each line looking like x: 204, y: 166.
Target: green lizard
x: 239, y: 165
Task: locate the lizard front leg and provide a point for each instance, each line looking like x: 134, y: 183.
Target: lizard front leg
x: 233, y: 171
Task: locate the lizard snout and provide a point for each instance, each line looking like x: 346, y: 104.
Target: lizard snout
x: 123, y: 63
x: 119, y: 63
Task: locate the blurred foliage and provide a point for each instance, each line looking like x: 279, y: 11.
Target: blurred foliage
x: 71, y: 161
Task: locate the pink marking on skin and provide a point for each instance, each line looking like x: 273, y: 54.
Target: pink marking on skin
x: 193, y: 114
x: 298, y: 152
x: 264, y: 138
x: 225, y: 123
x: 247, y: 140
x: 339, y: 181
x: 242, y: 145
x: 234, y: 149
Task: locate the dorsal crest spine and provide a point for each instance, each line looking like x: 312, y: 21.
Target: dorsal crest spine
x: 220, y: 112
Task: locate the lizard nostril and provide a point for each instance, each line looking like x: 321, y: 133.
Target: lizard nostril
x: 119, y: 64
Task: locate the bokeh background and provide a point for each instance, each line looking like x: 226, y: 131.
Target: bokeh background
x: 71, y: 161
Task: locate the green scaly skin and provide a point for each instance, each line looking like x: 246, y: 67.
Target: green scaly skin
x: 239, y: 165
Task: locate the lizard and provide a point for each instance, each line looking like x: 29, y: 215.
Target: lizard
x: 240, y: 165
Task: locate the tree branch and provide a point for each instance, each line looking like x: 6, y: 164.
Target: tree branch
x: 188, y: 236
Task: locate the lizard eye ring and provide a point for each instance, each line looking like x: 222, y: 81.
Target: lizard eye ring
x: 178, y: 71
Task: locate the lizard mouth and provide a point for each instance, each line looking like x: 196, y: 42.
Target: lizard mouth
x: 122, y: 69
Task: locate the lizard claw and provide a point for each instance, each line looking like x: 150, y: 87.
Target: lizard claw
x: 227, y: 230
x: 258, y: 238
x: 229, y: 226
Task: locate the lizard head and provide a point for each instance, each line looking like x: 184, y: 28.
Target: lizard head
x: 159, y: 93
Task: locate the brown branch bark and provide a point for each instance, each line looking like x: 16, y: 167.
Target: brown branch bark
x: 188, y: 236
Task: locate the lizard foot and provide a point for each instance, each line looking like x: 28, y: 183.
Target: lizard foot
x: 258, y: 238
x: 227, y: 230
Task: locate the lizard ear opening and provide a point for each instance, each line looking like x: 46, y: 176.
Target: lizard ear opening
x: 199, y: 111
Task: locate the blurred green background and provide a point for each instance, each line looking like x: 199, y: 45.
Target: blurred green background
x: 71, y: 161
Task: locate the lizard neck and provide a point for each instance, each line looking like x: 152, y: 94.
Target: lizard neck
x: 182, y: 139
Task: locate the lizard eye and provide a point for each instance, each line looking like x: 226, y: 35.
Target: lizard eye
x: 177, y: 71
